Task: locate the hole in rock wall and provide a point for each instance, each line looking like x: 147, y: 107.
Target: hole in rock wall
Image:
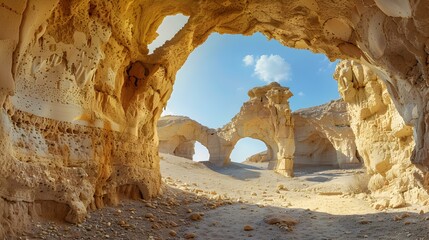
x: 250, y: 149
x: 167, y: 30
x: 213, y: 84
x: 200, y: 153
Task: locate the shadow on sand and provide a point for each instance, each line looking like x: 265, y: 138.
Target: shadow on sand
x: 227, y: 221
x: 237, y: 171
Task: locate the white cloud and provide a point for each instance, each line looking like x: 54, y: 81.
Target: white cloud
x: 272, y: 68
x: 167, y: 111
x: 301, y: 94
x: 249, y: 60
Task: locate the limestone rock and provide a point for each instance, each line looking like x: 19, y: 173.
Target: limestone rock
x: 259, y: 157
x: 266, y: 116
x: 78, y: 117
x: 383, y: 139
x: 323, y: 136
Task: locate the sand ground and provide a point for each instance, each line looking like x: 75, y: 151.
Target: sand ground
x: 201, y: 201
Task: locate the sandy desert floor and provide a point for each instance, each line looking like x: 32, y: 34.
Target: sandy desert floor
x: 245, y: 201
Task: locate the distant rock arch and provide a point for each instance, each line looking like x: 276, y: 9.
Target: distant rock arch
x: 266, y: 116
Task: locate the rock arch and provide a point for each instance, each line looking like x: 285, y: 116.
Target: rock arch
x: 77, y: 53
x: 180, y: 133
x: 266, y: 117
x: 327, y: 125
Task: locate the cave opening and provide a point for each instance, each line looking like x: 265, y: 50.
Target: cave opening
x: 213, y: 83
x: 95, y: 140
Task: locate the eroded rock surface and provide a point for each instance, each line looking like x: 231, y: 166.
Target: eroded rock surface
x: 323, y: 135
x: 78, y: 100
x: 383, y: 139
x: 266, y: 116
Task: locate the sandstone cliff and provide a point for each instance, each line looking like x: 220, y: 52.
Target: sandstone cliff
x: 83, y: 96
x: 383, y: 140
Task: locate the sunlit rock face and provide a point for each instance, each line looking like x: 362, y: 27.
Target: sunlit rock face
x: 177, y: 136
x: 323, y: 136
x: 383, y: 140
x: 80, y: 92
x: 266, y: 116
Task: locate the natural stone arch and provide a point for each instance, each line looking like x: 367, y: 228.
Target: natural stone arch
x: 101, y: 101
x: 265, y: 116
x: 177, y: 135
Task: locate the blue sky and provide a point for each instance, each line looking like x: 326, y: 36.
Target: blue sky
x: 213, y: 84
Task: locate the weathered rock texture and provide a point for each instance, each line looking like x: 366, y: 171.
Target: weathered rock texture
x: 323, y: 136
x: 177, y: 136
x: 83, y: 95
x: 383, y: 140
x: 266, y: 117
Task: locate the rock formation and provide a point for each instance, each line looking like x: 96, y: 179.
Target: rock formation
x: 323, y: 135
x: 263, y: 156
x: 383, y: 140
x: 177, y: 135
x: 266, y: 116
x: 81, y: 96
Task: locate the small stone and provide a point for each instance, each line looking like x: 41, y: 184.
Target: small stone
x: 400, y: 217
x: 172, y: 233
x: 149, y: 215
x: 156, y: 226
x: 197, y: 216
x: 281, y: 187
x: 248, y: 228
x: 364, y: 222
x: 189, y: 235
x: 280, y: 219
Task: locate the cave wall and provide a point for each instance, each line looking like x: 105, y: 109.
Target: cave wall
x: 80, y: 69
x: 383, y: 140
